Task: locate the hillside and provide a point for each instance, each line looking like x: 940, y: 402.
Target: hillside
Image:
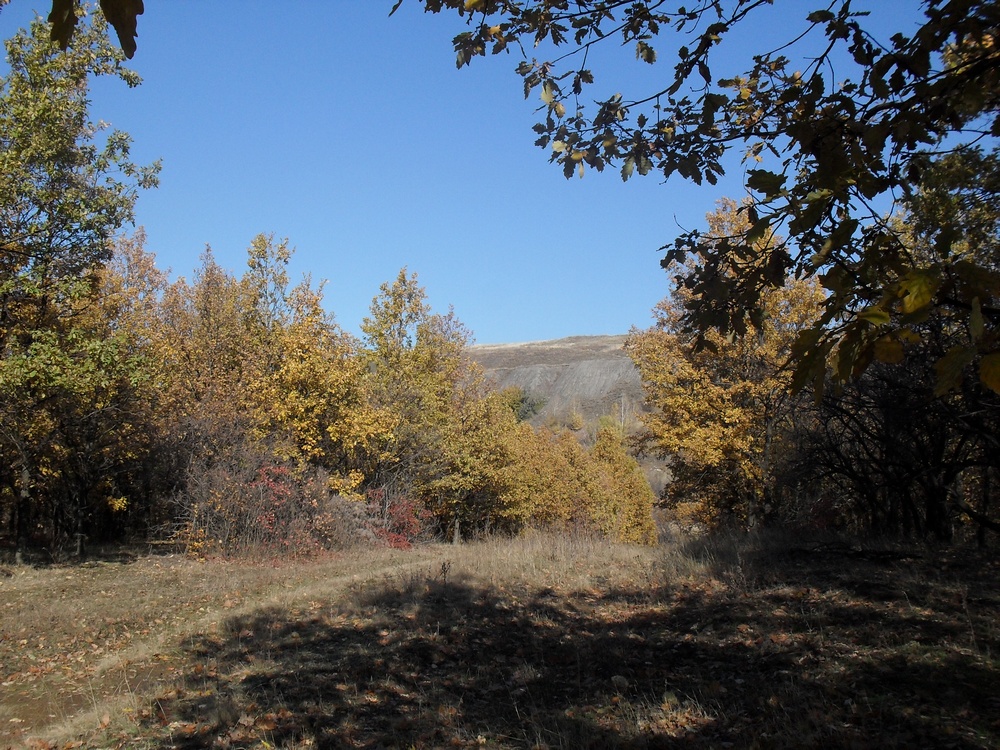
x: 576, y: 378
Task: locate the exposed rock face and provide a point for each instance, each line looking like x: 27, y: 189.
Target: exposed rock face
x: 581, y: 377
x: 578, y: 380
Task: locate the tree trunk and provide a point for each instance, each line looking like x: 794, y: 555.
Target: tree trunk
x: 984, y: 507
x: 23, y: 505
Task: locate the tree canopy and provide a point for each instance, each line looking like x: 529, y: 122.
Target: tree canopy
x: 235, y: 408
x: 835, y: 127
x: 722, y: 414
x: 71, y: 426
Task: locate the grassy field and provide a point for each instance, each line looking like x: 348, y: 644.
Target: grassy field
x: 545, y: 641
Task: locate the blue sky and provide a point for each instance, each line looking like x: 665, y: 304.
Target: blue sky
x: 353, y: 135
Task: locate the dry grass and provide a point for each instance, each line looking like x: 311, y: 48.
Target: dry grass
x: 543, y: 641
x: 91, y: 640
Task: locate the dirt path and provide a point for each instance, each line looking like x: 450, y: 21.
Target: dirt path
x: 79, y: 645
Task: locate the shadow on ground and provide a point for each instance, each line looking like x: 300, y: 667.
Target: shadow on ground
x: 866, y: 656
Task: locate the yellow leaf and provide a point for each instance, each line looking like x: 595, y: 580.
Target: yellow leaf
x: 874, y: 315
x: 118, y: 504
x: 889, y: 350
x: 918, y: 289
x: 546, y: 94
x: 989, y: 371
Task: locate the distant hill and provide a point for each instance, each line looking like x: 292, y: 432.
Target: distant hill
x: 576, y: 379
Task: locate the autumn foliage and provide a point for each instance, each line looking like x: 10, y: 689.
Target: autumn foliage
x: 723, y: 411
x: 287, y: 418
x: 224, y: 410
x: 889, y: 451
x: 229, y: 412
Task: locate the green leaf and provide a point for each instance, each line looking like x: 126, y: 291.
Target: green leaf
x: 758, y: 230
x: 806, y: 341
x: 842, y: 234
x: 768, y: 183
x: 847, y: 354
x: 889, y: 349
x: 816, y: 196
x: 645, y: 53
x: 820, y: 16
x: 627, y: 168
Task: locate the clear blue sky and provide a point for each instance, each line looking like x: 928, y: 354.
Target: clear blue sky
x: 353, y: 135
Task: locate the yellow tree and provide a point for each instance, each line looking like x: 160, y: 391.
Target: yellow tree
x: 553, y: 481
x: 263, y: 402
x: 312, y: 404
x: 469, y: 481
x: 217, y: 338
x: 443, y: 442
x: 624, y: 510
x: 547, y: 481
x: 720, y: 411
x: 203, y: 348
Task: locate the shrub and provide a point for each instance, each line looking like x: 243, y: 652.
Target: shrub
x: 246, y: 504
x: 397, y: 519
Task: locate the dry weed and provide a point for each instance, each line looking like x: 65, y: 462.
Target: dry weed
x: 541, y: 641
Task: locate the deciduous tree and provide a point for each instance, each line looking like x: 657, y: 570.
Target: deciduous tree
x: 720, y: 411
x: 420, y: 374
x: 624, y: 510
x: 311, y: 401
x: 900, y: 447
x: 66, y: 375
x: 553, y: 481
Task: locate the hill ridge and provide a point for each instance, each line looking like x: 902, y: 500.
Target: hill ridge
x: 575, y: 377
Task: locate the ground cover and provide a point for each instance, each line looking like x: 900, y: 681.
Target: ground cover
x: 538, y: 642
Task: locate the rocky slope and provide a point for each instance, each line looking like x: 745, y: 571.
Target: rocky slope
x: 576, y: 379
